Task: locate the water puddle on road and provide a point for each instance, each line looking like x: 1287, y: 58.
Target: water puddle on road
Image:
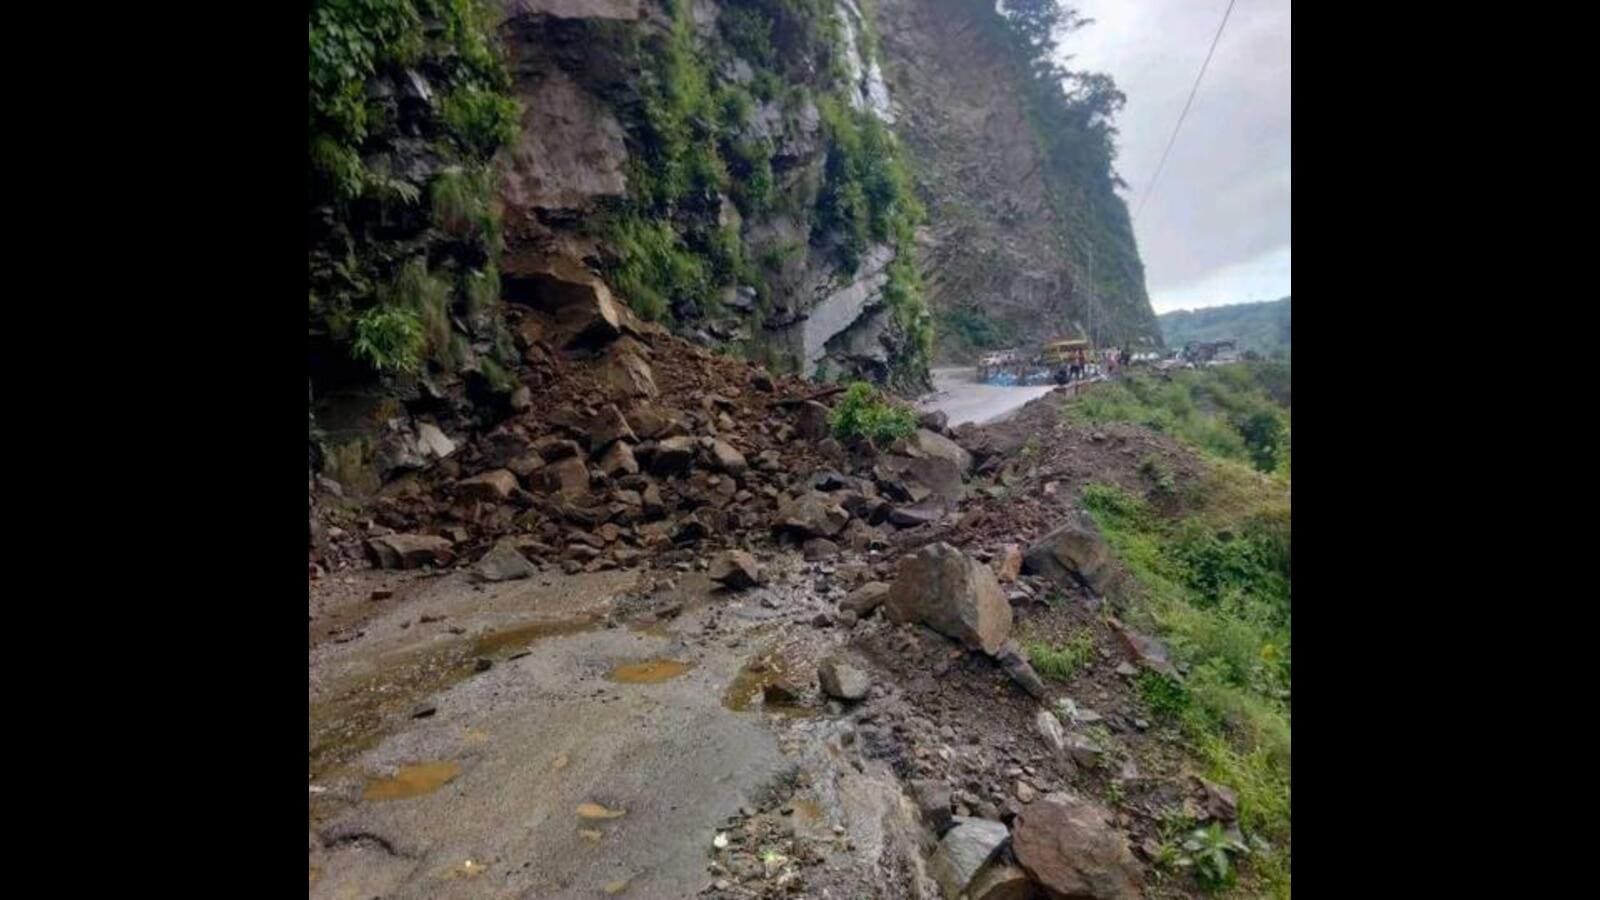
x: 764, y: 683
x: 651, y: 671
x: 412, y: 781
x: 522, y: 635
x: 597, y: 811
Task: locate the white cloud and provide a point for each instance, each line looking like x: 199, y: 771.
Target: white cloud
x: 1217, y: 223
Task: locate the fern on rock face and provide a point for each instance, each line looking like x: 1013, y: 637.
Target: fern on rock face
x: 369, y: 221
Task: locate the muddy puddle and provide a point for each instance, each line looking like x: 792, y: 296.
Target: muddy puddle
x: 519, y: 637
x: 765, y: 683
x: 353, y: 718
x: 412, y: 781
x: 651, y: 671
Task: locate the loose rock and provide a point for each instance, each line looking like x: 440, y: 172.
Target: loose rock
x: 1073, y: 853
x: 963, y: 852
x: 841, y: 680
x: 958, y: 597
x: 736, y: 569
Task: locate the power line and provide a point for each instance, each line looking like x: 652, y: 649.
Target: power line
x: 1172, y: 140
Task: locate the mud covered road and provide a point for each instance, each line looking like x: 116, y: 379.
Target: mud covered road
x: 579, y: 736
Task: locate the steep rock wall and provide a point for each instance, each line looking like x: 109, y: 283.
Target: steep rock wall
x: 752, y: 263
x: 1007, y: 250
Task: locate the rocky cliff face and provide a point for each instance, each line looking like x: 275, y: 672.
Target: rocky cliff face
x: 1012, y: 250
x: 691, y: 155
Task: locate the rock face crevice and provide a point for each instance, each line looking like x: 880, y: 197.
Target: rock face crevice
x: 1005, y: 241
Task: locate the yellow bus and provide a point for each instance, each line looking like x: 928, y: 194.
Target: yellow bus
x: 1061, y: 353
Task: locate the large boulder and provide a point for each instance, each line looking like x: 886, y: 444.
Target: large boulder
x: 812, y: 514
x: 504, y: 562
x: 811, y: 420
x: 618, y: 461
x: 919, y: 478
x: 963, y: 852
x: 567, y: 477
x: 736, y: 569
x: 607, y: 427
x: 673, y: 456
x: 1074, y: 553
x: 944, y: 589
x: 929, y: 443
x: 581, y: 304
x: 408, y: 551
x: 1072, y: 852
x: 624, y: 373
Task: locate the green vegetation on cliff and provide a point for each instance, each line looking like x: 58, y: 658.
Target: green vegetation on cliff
x: 408, y: 102
x: 1072, y: 114
x: 692, y: 140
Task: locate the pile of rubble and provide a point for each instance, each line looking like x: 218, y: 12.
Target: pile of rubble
x: 624, y: 445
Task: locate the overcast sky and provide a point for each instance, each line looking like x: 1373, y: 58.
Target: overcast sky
x: 1216, y: 227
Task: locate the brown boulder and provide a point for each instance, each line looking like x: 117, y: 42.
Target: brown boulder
x: 736, y: 569
x: 863, y: 600
x: 580, y: 303
x: 625, y: 373
x: 1008, y: 564
x: 1072, y: 852
x: 928, y: 443
x: 811, y: 418
x: 812, y: 514
x: 673, y: 456
x: 408, y: 551
x: 819, y: 548
x: 918, y: 478
x: 999, y: 881
x: 727, y: 458
x: 649, y: 421
x: 607, y: 427
x: 567, y: 477
x: 1074, y: 553
x: 619, y: 461
x: 552, y: 448
x: 526, y: 464
x: 1145, y: 650
x: 955, y: 595
x: 494, y: 485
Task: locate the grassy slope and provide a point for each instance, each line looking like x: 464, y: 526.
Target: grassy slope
x: 1213, y: 580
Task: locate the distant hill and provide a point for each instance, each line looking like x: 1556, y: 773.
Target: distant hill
x: 1262, y: 327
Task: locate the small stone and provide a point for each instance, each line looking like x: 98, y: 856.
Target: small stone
x: 841, y: 680
x: 494, y: 485
x: 1126, y: 669
x: 1025, y: 792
